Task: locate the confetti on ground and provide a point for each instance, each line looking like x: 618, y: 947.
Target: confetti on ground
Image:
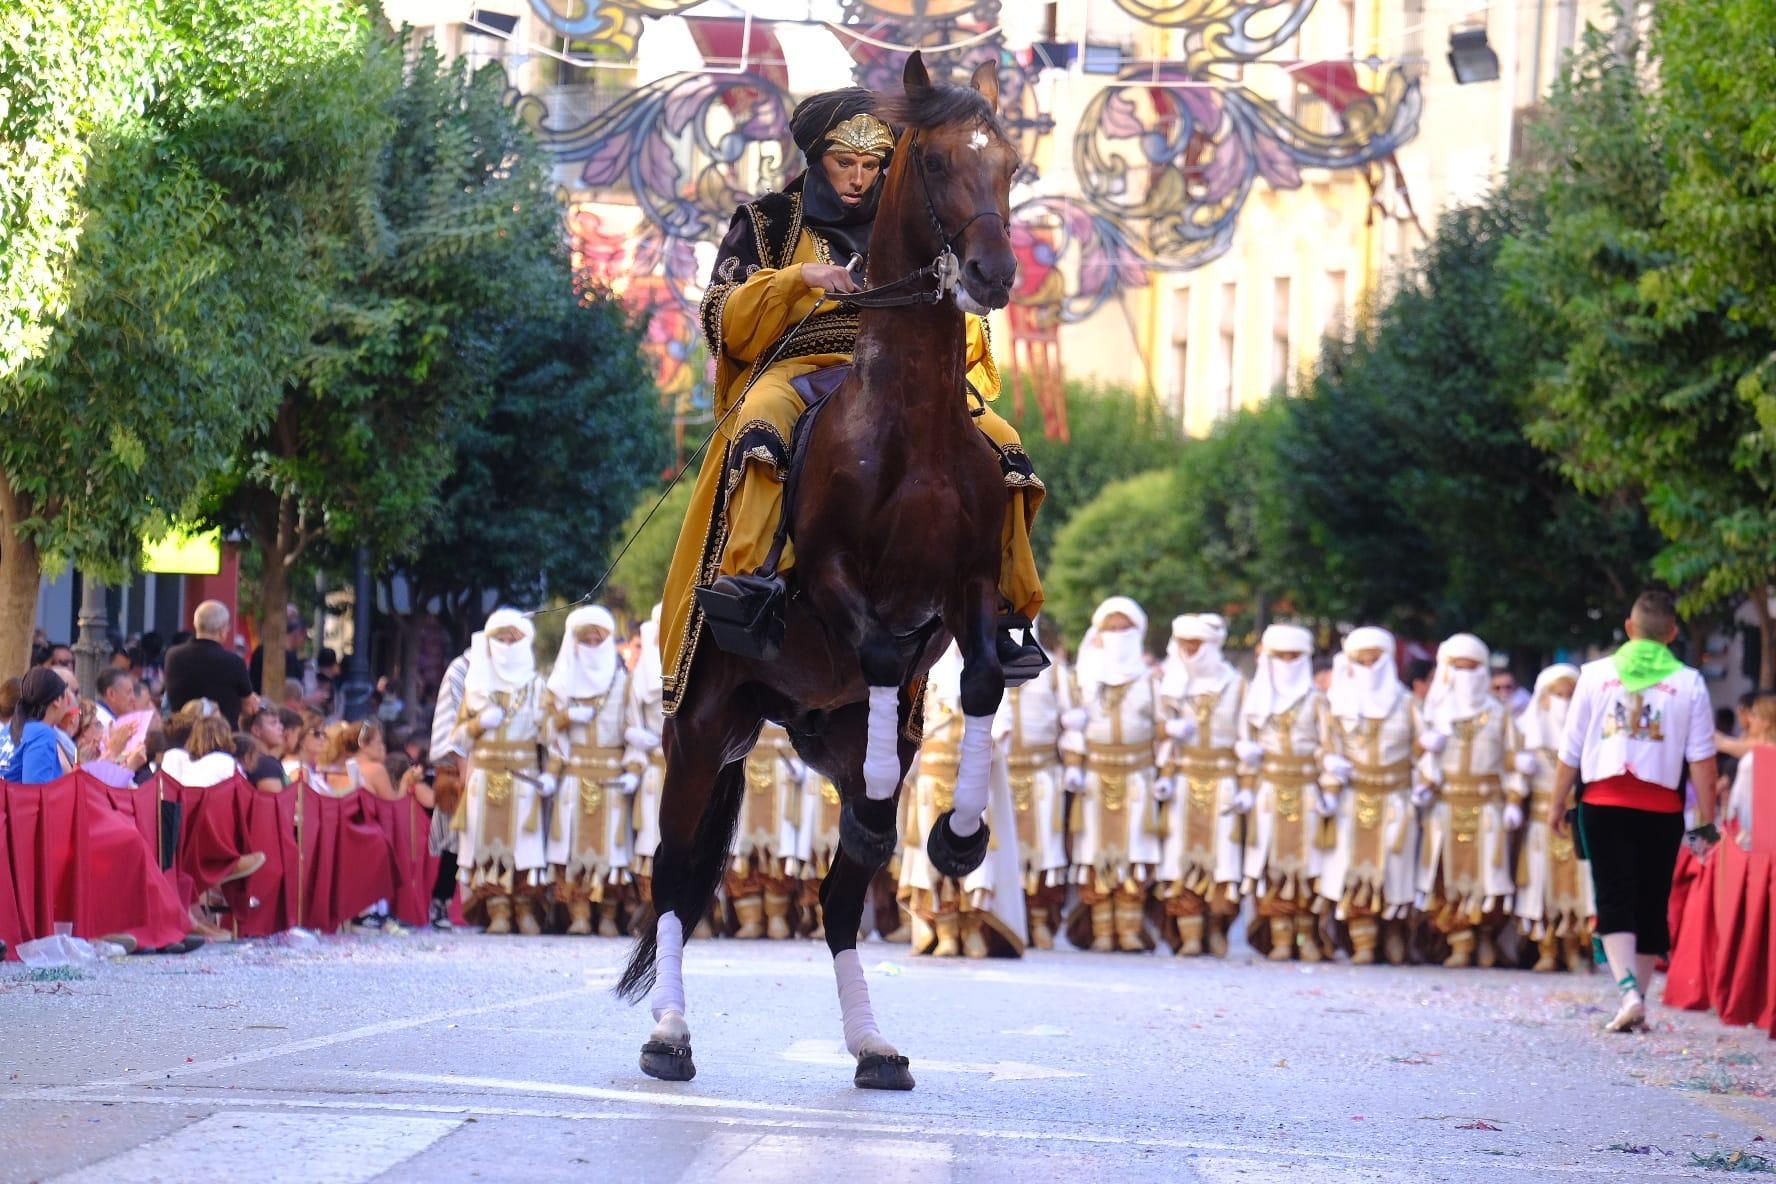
x: 1479, y: 1124
x: 1732, y: 1161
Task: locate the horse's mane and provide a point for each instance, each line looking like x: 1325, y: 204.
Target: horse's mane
x: 934, y: 107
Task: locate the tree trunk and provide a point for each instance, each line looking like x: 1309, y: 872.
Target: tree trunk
x: 274, y: 600
x: 21, y: 568
x: 1760, y: 605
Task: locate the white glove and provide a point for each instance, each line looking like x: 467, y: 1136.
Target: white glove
x: 1326, y: 804
x: 1073, y: 778
x: 643, y: 738
x: 1422, y: 795
x: 491, y: 717
x: 1243, y: 801
x: 1163, y: 790
x: 1249, y: 752
x: 626, y: 784
x: 548, y: 784
x: 1513, y: 816
x: 1434, y: 741
x: 1182, y: 728
x: 1525, y: 763
x: 1074, y: 719
x: 1338, y: 766
x: 581, y: 715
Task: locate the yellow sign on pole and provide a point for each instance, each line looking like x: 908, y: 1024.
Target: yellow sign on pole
x: 184, y: 553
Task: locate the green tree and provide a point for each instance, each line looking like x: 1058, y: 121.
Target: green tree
x: 1116, y: 433
x: 540, y: 485
x: 184, y: 306
x: 457, y: 225
x: 640, y: 576
x: 1651, y: 388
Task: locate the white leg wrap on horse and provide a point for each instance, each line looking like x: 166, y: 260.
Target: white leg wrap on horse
x: 669, y: 987
x: 861, y: 1033
x: 971, y: 774
x: 881, y: 755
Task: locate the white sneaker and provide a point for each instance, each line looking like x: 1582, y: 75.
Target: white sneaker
x: 1631, y: 1017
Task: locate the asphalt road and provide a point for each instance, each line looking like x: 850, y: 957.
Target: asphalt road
x: 454, y: 1057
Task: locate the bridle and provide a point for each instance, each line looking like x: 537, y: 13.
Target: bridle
x: 942, y: 274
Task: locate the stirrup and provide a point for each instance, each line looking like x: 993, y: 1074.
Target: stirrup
x: 745, y: 614
x: 1021, y: 661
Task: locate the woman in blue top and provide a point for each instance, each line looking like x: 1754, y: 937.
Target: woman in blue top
x: 41, y: 750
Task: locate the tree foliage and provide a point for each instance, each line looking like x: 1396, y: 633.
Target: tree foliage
x: 641, y: 574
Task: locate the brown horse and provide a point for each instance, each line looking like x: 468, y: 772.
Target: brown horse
x: 897, y: 532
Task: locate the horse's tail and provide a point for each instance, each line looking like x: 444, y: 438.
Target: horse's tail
x: 685, y: 882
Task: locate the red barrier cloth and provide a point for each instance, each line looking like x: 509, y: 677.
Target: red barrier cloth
x: 75, y: 855
x: 1689, y: 984
x: 348, y: 861
x: 266, y: 902
x: 408, y: 827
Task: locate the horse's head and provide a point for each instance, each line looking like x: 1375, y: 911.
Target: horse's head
x: 963, y: 165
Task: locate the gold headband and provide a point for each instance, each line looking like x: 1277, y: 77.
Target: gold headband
x: 862, y: 133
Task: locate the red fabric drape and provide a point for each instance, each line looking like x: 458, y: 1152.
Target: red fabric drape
x: 74, y: 855
x: 348, y: 860
x: 407, y: 825
x: 1724, y: 954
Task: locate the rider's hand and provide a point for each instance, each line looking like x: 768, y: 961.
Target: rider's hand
x: 829, y: 276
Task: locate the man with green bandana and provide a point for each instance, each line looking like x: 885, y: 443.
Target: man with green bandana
x: 1637, y: 719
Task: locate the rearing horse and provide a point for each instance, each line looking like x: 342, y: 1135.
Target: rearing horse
x: 897, y: 530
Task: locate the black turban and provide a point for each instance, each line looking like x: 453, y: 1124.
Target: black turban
x: 846, y: 228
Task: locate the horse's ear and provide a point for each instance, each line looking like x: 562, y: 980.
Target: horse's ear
x: 915, y: 77
x: 986, y: 80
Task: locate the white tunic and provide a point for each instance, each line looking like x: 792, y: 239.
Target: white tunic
x: 1118, y: 837
x: 1202, y: 844
x: 771, y: 811
x: 1283, y: 855
x: 1028, y: 729
x: 1374, y: 868
x: 1465, y: 838
x: 504, y: 831
x: 646, y: 713
x: 589, y: 834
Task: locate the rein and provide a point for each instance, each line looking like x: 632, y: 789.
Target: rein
x: 942, y: 273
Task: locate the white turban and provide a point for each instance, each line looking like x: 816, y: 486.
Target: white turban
x: 497, y: 667
x: 1203, y: 671
x: 1279, y: 685
x: 1369, y: 692
x: 1459, y: 694
x: 1115, y: 658
x: 1543, y: 725
x: 585, y: 671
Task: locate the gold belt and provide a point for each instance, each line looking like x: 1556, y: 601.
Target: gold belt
x: 1294, y: 772
x: 1026, y: 760
x: 594, y: 762
x: 520, y: 755
x: 1119, y: 756
x: 1382, y: 777
x: 1470, y: 789
x: 1204, y: 765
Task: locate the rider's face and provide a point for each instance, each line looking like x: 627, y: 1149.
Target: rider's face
x: 851, y: 174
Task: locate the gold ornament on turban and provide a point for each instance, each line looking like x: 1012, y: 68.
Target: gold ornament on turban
x: 863, y: 134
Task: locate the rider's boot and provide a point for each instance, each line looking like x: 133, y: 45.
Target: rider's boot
x: 1022, y: 660
x: 745, y: 613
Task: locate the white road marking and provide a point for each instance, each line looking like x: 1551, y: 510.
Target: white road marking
x: 825, y: 1052
x: 272, y: 1149
x: 795, y: 1159
x: 941, y: 1125
x: 292, y: 1047
x: 665, y: 1096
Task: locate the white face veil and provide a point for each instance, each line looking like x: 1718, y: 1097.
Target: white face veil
x: 585, y: 671
x: 1115, y: 657
x: 1457, y: 695
x: 1369, y: 692
x: 1544, y: 724
x: 498, y: 666
x: 1202, y: 671
x: 1278, y: 684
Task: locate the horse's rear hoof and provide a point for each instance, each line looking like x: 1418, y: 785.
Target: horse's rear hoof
x: 875, y: 1071
x: 953, y: 856
x: 668, y: 1062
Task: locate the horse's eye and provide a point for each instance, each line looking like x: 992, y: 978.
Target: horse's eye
x: 934, y: 163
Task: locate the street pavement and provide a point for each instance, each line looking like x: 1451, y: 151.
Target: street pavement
x: 461, y: 1057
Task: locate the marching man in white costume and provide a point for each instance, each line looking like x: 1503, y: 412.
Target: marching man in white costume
x: 761, y: 879
x: 1285, y: 733
x: 1028, y: 729
x: 1371, y: 877
x: 502, y: 858
x: 1555, y: 902
x: 983, y: 913
x: 1110, y: 751
x: 591, y: 752
x: 646, y: 687
x: 1473, y: 765
x: 1201, y: 695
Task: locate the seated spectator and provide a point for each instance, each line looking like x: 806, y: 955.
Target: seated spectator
x: 42, y: 750
x: 206, y: 756
x: 306, y: 755
x: 265, y: 767
x: 371, y: 753
x: 205, y: 668
x: 117, y: 695
x: 145, y: 696
x: 339, y: 768
x: 1760, y: 734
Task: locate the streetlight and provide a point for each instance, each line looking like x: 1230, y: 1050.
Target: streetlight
x: 1471, y: 58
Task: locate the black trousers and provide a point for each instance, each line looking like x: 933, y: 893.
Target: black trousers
x: 444, y: 887
x: 1633, y: 854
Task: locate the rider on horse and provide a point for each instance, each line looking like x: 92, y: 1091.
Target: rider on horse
x: 785, y: 259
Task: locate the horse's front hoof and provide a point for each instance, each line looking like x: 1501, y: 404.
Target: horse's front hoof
x: 875, y: 1071
x: 667, y: 1062
x: 952, y: 856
